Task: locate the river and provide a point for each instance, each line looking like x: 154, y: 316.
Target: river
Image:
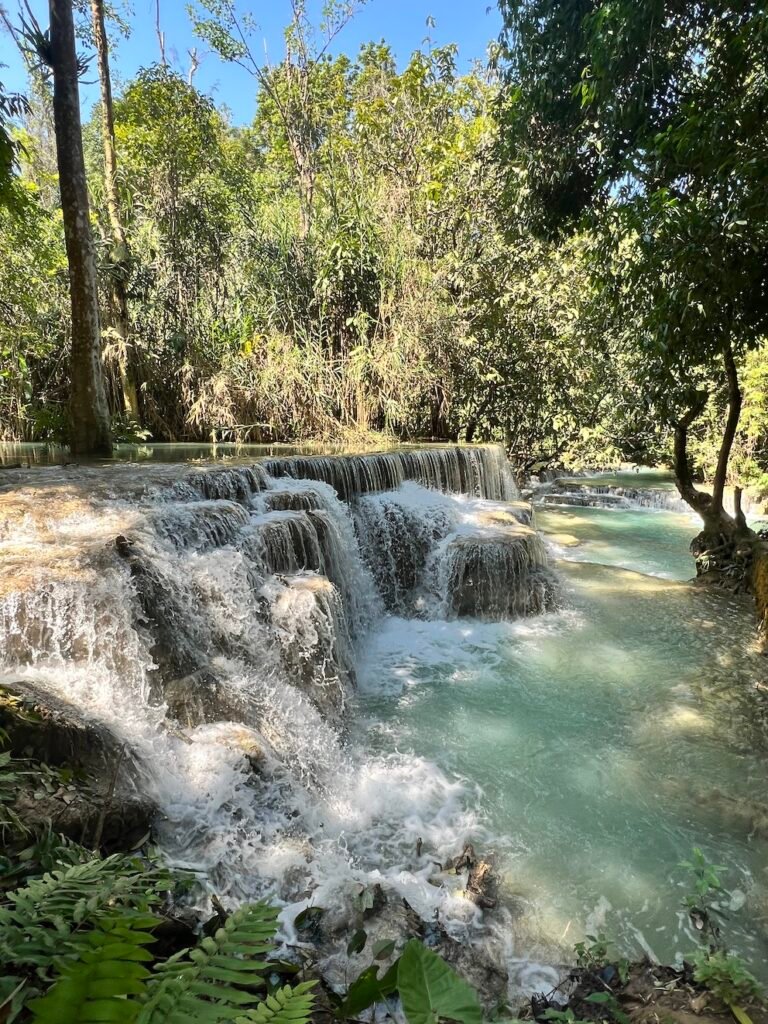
x: 588, y: 748
x: 599, y: 743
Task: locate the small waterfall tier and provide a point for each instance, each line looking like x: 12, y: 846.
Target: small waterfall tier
x: 212, y: 617
x: 593, y: 494
x: 482, y: 471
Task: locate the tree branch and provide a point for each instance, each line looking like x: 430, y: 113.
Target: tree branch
x: 731, y: 426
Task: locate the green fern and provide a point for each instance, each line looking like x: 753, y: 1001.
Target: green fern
x: 216, y: 981
x: 44, y: 921
x: 288, y: 1005
x: 97, y: 988
x: 9, y: 782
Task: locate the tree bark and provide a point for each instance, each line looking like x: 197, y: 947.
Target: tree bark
x: 731, y: 425
x: 88, y: 400
x: 721, y: 542
x: 698, y: 500
x: 120, y: 254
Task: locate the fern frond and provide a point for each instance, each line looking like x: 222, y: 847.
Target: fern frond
x: 9, y: 819
x: 42, y: 918
x: 288, y: 1005
x: 97, y: 989
x: 216, y: 981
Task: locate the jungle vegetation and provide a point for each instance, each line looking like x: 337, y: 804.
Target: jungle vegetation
x: 563, y: 249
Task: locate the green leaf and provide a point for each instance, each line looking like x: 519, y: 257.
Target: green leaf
x: 357, y: 943
x: 383, y: 949
x: 368, y: 989
x: 430, y: 989
x: 97, y: 989
x: 288, y: 1005
x: 741, y: 1015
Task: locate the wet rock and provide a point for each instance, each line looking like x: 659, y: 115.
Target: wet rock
x: 395, y: 921
x: 387, y: 918
x: 177, y: 931
x: 200, y: 698
x: 249, y: 744
x: 480, y: 964
x: 95, y: 796
x: 481, y: 878
x: 176, y: 647
x: 116, y: 823
x: 308, y: 620
x: 495, y: 575
x: 50, y: 729
x: 292, y: 500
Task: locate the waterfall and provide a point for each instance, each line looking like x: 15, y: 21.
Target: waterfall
x: 212, y: 618
x: 571, y: 491
x: 481, y: 471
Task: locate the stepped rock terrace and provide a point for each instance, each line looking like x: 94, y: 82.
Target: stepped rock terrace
x: 179, y: 579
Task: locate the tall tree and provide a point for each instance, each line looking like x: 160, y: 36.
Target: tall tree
x: 89, y: 413
x: 292, y: 88
x: 120, y: 253
x: 650, y: 117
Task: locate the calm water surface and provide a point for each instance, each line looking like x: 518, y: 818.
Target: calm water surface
x: 602, y: 742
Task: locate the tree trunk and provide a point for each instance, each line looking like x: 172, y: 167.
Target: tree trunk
x: 88, y: 400
x: 120, y: 255
x: 725, y: 541
x: 699, y: 501
x: 731, y: 425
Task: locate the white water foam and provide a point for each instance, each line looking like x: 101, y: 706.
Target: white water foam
x: 221, y: 577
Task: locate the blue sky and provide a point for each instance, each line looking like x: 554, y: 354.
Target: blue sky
x: 472, y: 24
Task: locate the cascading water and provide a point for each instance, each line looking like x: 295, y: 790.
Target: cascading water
x: 212, y: 618
x: 306, y: 698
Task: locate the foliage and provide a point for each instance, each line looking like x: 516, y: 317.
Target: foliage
x: 566, y: 1016
x: 367, y: 989
x: 706, y: 878
x: 404, y: 249
x: 225, y: 969
x: 592, y: 954
x: 429, y: 989
x: 44, y: 921
x: 9, y: 775
x: 611, y: 1004
x: 74, y: 946
x: 12, y: 105
x: 78, y: 943
x: 723, y: 973
x: 109, y: 969
x: 286, y: 1005
x: 337, y: 267
x: 726, y: 976
x: 647, y: 118
x: 217, y: 981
